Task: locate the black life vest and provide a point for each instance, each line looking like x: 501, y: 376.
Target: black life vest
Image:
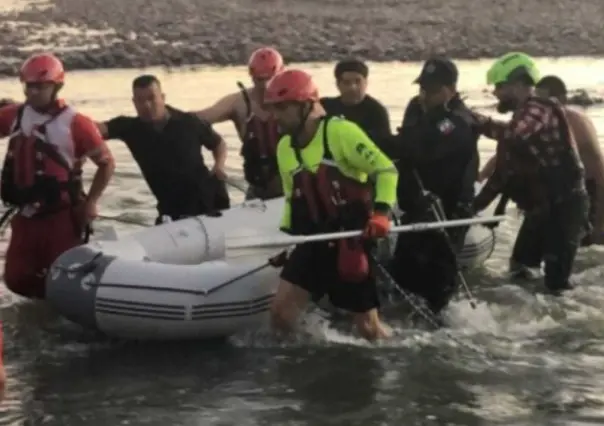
x: 259, y: 149
x: 35, y: 173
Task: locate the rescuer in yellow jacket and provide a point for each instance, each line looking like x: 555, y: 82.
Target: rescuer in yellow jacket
x: 324, y: 163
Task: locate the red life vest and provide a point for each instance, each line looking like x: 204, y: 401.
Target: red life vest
x: 35, y: 173
x: 259, y: 150
x: 329, y: 201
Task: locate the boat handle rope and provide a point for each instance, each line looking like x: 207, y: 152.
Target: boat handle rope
x: 275, y: 261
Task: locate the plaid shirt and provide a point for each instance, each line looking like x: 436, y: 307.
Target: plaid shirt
x: 533, y: 140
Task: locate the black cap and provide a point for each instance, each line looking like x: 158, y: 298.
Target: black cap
x: 438, y: 71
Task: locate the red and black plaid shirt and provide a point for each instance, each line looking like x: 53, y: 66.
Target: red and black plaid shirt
x: 533, y: 139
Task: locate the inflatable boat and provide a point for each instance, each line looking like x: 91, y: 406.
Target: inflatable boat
x: 197, y: 278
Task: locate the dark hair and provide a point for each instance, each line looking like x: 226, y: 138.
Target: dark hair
x: 144, y: 81
x: 351, y: 65
x: 554, y: 85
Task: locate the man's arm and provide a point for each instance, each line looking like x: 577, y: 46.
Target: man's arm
x: 221, y: 111
x: 116, y: 128
x: 89, y: 143
x: 488, y: 169
x: 494, y: 184
x: 413, y: 112
x: 527, y: 122
x: 402, y: 146
x: 8, y: 115
x: 213, y: 142
x: 361, y: 153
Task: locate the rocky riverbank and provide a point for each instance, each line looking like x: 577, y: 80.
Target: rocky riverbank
x: 136, y: 33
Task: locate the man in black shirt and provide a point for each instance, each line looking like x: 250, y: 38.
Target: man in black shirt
x: 438, y: 165
x: 355, y: 104
x: 166, y: 144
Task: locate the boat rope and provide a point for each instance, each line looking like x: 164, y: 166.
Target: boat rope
x: 423, y: 311
x: 275, y: 261
x: 438, y: 212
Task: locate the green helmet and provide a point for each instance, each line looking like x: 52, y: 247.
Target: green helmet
x: 510, y: 63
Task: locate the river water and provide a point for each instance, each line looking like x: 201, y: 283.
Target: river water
x: 525, y: 358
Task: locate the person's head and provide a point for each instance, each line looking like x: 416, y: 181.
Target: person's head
x: 437, y: 82
x: 148, y: 98
x: 351, y: 79
x: 514, y: 76
x: 291, y: 97
x: 551, y: 86
x: 264, y: 64
x: 43, y: 76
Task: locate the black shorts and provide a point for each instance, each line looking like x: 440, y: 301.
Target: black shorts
x: 313, y: 267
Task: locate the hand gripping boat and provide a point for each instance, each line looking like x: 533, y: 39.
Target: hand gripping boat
x: 202, y: 277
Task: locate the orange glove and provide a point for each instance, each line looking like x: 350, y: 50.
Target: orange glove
x: 378, y: 226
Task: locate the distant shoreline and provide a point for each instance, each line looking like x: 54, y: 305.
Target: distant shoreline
x: 90, y: 34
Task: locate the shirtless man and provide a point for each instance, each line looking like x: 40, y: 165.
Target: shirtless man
x: 586, y: 136
x: 257, y: 130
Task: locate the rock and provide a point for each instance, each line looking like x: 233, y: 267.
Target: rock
x: 138, y: 33
x: 582, y: 98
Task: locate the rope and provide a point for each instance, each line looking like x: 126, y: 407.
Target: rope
x: 419, y: 307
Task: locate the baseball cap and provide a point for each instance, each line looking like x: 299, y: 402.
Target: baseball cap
x: 438, y: 70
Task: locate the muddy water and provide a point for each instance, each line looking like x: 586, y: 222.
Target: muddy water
x: 545, y: 356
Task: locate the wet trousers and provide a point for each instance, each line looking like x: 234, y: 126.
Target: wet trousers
x: 553, y: 235
x: 35, y: 243
x: 425, y: 265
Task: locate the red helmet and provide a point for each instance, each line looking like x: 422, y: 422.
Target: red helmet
x: 42, y: 68
x: 265, y: 63
x: 291, y: 86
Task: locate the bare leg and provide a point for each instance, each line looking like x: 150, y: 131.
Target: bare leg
x: 288, y: 304
x: 371, y: 327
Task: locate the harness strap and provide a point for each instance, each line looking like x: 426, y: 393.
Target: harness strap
x: 313, y: 194
x: 327, y: 155
x: 18, y: 119
x: 326, y: 151
x: 49, y: 151
x: 246, y: 99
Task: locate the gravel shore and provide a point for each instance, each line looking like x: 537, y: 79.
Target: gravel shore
x: 136, y: 33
